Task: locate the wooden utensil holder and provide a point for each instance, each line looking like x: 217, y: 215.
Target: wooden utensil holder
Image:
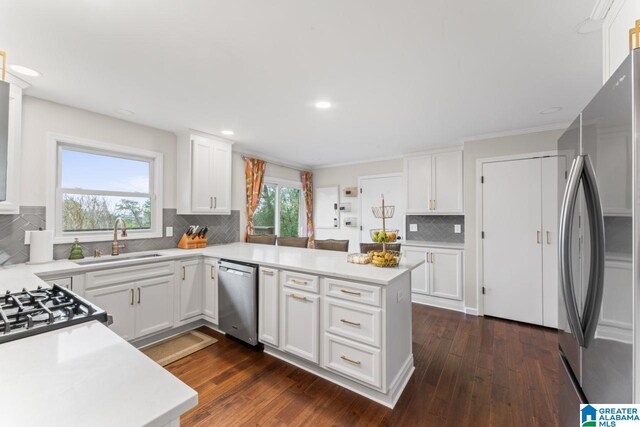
x: 186, y: 242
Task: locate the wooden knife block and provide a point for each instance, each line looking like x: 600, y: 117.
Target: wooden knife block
x: 186, y: 242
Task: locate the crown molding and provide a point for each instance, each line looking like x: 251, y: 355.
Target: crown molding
x: 514, y: 132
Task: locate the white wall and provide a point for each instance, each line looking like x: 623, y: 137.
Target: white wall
x: 347, y: 176
x: 493, y: 147
x: 40, y: 117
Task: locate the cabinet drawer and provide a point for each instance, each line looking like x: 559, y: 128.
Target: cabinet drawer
x: 357, y: 361
x: 304, y: 282
x: 96, y: 279
x: 353, y: 321
x: 352, y: 291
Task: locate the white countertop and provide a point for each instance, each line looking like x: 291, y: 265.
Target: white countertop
x: 444, y: 245
x: 312, y: 261
x: 86, y: 375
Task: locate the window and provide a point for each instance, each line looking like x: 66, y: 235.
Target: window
x: 97, y: 183
x: 281, y: 209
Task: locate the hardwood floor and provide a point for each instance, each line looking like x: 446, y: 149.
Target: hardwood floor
x: 470, y: 371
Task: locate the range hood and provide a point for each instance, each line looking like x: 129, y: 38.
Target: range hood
x: 4, y: 129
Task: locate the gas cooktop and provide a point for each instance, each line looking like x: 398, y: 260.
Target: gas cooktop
x: 27, y: 313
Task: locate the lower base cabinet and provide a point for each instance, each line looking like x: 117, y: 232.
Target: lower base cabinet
x: 138, y: 308
x: 301, y: 324
x: 190, y: 289
x: 441, y: 274
x: 354, y: 360
x: 269, y: 306
x: 210, y: 289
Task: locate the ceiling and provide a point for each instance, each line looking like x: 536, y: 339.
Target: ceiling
x: 403, y: 75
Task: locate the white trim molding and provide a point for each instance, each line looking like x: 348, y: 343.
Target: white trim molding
x: 53, y: 217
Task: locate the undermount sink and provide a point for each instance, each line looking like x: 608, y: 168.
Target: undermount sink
x: 111, y: 258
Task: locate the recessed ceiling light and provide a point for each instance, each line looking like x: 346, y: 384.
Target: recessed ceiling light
x: 125, y: 112
x: 25, y: 71
x: 551, y: 110
x: 323, y: 105
x: 227, y: 132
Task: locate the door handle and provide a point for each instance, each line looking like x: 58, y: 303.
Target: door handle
x: 564, y: 249
x: 595, y: 288
x: 139, y: 295
x: 585, y: 328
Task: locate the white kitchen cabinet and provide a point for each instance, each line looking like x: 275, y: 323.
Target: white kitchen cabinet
x: 301, y: 324
x: 445, y: 273
x: 119, y: 302
x: 419, y: 282
x: 268, y: 306
x: 12, y: 203
x: 204, y: 175
x: 190, y: 289
x: 620, y: 18
x: 154, y: 305
x: 441, y: 274
x: 434, y: 183
x: 210, y: 291
x: 418, y: 184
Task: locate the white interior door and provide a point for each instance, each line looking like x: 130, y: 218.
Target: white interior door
x: 553, y: 178
x: 512, y: 243
x: 372, y: 188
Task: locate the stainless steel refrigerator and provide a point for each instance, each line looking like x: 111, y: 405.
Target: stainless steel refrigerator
x: 598, y: 247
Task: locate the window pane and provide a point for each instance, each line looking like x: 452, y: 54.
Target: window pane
x: 101, y: 172
x: 264, y: 218
x: 289, y: 211
x: 81, y: 212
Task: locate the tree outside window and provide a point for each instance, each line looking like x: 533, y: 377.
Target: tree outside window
x: 279, y: 210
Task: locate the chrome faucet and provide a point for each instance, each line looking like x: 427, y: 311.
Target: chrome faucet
x: 115, y: 246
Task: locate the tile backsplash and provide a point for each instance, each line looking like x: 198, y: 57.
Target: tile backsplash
x: 222, y: 229
x: 436, y: 228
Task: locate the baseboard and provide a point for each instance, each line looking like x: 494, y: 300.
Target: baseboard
x: 471, y: 311
x: 389, y: 400
x: 438, y: 302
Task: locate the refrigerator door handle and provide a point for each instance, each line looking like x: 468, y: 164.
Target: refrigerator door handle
x: 564, y: 250
x: 595, y: 288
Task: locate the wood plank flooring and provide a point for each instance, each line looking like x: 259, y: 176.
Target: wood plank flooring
x: 470, y: 371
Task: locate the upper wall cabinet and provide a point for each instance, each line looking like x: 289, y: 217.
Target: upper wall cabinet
x: 12, y: 203
x: 433, y: 183
x: 204, y: 175
x: 615, y: 34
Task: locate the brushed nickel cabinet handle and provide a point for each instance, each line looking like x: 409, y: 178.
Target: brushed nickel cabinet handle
x: 139, y: 295
x: 538, y: 236
x: 132, y: 296
x: 548, y: 237
x: 213, y: 274
x: 215, y: 203
x: 267, y: 272
x: 346, y: 359
x: 435, y: 204
x: 348, y: 322
x: 301, y: 298
x: 184, y: 272
x: 350, y: 292
x: 299, y: 282
x: 210, y: 202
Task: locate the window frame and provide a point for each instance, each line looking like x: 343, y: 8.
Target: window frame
x: 302, y: 219
x: 55, y: 191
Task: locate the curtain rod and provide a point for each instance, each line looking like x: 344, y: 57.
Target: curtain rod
x: 245, y: 156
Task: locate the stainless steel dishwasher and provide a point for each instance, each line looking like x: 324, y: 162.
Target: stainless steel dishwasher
x: 238, y: 300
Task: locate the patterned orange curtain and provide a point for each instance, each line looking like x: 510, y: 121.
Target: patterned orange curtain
x: 254, y: 173
x: 307, y: 189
